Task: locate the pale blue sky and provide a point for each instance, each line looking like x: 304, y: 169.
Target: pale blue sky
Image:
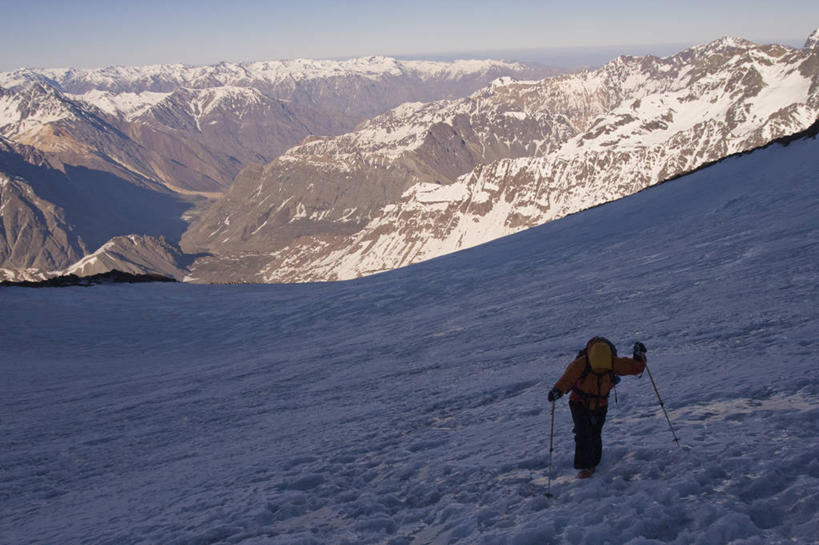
x: 90, y: 33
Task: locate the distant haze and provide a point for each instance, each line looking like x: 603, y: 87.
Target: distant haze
x: 565, y: 57
x: 575, y: 57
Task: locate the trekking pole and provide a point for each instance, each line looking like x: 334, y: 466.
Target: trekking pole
x: 551, y: 449
x: 662, y: 405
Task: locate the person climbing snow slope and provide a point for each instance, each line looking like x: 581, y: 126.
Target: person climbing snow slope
x: 591, y: 377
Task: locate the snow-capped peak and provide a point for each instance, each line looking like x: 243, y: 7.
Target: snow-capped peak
x: 34, y: 105
x: 723, y: 44
x: 166, y: 78
x: 502, y: 81
x: 813, y: 40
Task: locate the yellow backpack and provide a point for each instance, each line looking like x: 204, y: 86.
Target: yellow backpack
x: 599, y: 354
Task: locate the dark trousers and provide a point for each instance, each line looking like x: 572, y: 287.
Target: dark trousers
x: 588, y: 425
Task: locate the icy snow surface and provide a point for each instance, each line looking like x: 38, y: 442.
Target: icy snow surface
x: 410, y: 407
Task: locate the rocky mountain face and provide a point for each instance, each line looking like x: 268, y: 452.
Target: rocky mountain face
x: 54, y: 212
x: 67, y: 132
x: 336, y: 185
x: 126, y: 150
x: 427, y: 179
x: 27, y: 221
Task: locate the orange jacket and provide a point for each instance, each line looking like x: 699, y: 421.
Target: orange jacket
x: 597, y: 386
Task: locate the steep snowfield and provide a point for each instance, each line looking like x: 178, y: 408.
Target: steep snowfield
x: 409, y: 407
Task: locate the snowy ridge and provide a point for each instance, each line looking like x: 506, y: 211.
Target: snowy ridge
x: 404, y: 129
x: 31, y: 274
x: 135, y: 254
x: 387, y: 136
x: 211, y: 99
x: 585, y: 96
x: 103, y: 87
x: 722, y: 45
x: 410, y: 407
x: 813, y: 40
x: 129, y: 105
x: 27, y: 111
x: 634, y: 146
x: 264, y: 107
x: 484, y: 205
x: 191, y: 130
x: 200, y: 103
x: 458, y: 68
x: 91, y: 260
x: 411, y: 143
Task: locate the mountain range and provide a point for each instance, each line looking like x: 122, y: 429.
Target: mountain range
x: 128, y: 150
x: 398, y: 161
x: 427, y: 179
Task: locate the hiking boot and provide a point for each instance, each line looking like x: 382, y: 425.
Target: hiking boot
x: 585, y: 473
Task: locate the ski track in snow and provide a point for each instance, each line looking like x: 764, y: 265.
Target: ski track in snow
x: 410, y: 407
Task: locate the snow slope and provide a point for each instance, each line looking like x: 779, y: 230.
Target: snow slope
x: 409, y: 407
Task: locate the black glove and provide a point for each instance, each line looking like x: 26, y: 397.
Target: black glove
x: 554, y: 394
x: 640, y: 352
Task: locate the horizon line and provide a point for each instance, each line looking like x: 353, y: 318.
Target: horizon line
x: 447, y: 56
